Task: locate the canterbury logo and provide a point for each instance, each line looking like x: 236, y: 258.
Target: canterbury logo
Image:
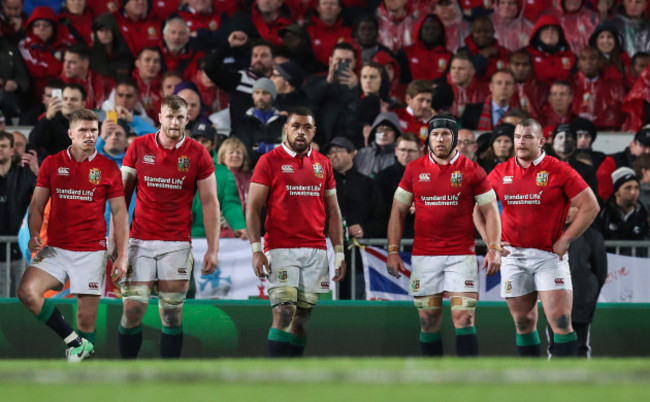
x: 149, y: 159
x: 425, y: 177
x: 469, y: 284
x: 559, y: 281
x: 287, y: 169
x: 63, y: 171
x: 93, y: 285
x: 182, y: 271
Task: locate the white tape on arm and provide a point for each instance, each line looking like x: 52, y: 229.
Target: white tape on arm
x: 330, y: 192
x: 127, y: 171
x: 403, y: 196
x: 485, y: 198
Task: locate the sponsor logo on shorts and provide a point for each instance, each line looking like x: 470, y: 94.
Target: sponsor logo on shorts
x: 559, y: 281
x: 325, y: 285
x: 542, y: 178
x: 507, y: 286
x: 425, y: 177
x: 287, y: 169
x: 149, y: 159
x: 37, y: 258
x: 469, y: 283
x: 63, y: 171
x: 283, y: 275
x: 318, y: 170
x: 93, y: 285
x: 94, y: 176
x: 457, y: 179
x: 415, y: 285
x: 507, y: 179
x: 182, y: 271
x: 183, y: 164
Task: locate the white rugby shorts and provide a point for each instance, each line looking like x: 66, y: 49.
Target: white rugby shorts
x: 431, y: 275
x: 303, y: 268
x: 85, y: 269
x: 527, y: 270
x: 151, y: 260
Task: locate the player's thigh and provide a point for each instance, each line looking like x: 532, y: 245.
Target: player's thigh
x: 87, y: 270
x: 427, y: 275
x: 141, y: 263
x: 551, y: 273
x: 461, y: 274
x: 47, y: 271
x: 174, y: 262
x: 314, y: 272
x: 557, y: 303
x: 285, y: 268
x: 523, y: 307
x: 517, y: 276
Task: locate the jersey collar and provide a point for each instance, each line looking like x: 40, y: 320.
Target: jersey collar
x: 454, y: 159
x: 535, y: 162
x: 292, y: 152
x: 90, y: 158
x: 178, y: 144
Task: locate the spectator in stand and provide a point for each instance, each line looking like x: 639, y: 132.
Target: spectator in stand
x: 37, y: 111
x: 610, y: 45
x: 78, y: 21
x: 640, y: 145
x: 42, y: 49
x: 467, y: 144
x: 163, y: 9
x: 488, y: 55
x: 14, y: 79
x: 110, y: 55
x: 175, y: 48
x: 139, y: 25
x: 427, y: 58
x: 578, y: 22
x: 327, y: 29
x: 502, y: 98
x: 414, y: 118
x: 642, y: 171
x: 50, y: 134
x: 552, y: 57
x: 366, y: 33
x: 637, y: 103
x: 596, y: 97
x: 127, y: 96
x: 603, y: 164
x: 531, y: 93
x: 380, y: 154
x: 169, y: 81
x: 264, y: 19
x: 147, y: 76
x: 632, y: 22
x: 373, y: 80
x: 12, y: 19
x: 207, y: 20
x: 76, y: 69
x: 563, y: 147
x: 511, y: 29
x: 296, y: 46
x: 195, y: 110
x: 534, y: 8
x: 288, y: 79
x: 558, y: 108
x: 638, y: 63
x: 239, y: 84
x: 501, y: 147
x: 213, y: 98
x: 467, y: 89
x: 456, y: 27
x: 101, y: 7
x: 397, y: 22
x: 234, y: 155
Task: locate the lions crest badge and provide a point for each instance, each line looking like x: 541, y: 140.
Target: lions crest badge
x: 457, y: 179
x: 507, y: 286
x: 94, y: 176
x: 282, y: 275
x: 318, y: 170
x: 542, y: 178
x: 183, y: 164
x: 415, y: 285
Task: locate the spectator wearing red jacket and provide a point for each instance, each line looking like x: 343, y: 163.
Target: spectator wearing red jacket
x: 76, y: 70
x: 609, y: 43
x: 77, y: 19
x: 147, y: 75
x: 264, y: 19
x: 534, y: 8
x: 139, y: 25
x: 397, y: 20
x: 207, y: 22
x: 164, y: 8
x: 552, y: 58
x: 415, y: 117
x: 42, y: 49
x: 577, y: 21
x: 175, y: 48
x: 467, y: 89
x: 456, y: 27
x: 488, y: 55
x: 472, y: 8
x: 597, y: 98
x: 558, y: 108
x: 512, y: 30
x: 393, y: 70
x: 13, y: 20
x: 101, y: 7
x: 366, y: 33
x: 327, y: 29
x: 531, y: 93
x: 427, y: 58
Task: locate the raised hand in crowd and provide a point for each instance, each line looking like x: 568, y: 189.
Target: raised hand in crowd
x: 30, y: 159
x: 237, y: 39
x: 124, y: 114
x: 54, y: 105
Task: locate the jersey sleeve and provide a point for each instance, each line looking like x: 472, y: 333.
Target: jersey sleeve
x: 481, y: 184
x: 115, y: 186
x: 493, y: 179
x: 406, y: 183
x: 573, y: 184
x: 206, y: 165
x: 262, y: 172
x: 131, y: 156
x: 43, y: 179
x: 330, y: 183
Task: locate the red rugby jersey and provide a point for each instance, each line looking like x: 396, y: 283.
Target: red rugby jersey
x: 444, y: 203
x: 78, y: 193
x: 166, y: 185
x: 535, y: 200
x: 295, y: 209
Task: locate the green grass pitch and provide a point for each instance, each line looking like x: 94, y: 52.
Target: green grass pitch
x: 327, y: 379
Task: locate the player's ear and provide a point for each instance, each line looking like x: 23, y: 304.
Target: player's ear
x: 70, y: 133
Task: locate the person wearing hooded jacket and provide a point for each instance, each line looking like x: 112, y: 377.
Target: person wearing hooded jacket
x: 577, y: 21
x: 380, y: 154
x: 488, y: 54
x: 427, y: 58
x: 111, y: 58
x: 609, y: 43
x: 631, y: 21
x: 511, y: 29
x: 552, y: 58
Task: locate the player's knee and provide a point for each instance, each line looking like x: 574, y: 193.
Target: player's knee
x: 563, y: 322
x: 86, y: 320
x: 283, y: 296
x: 430, y: 304
x: 283, y: 315
x: 171, y: 300
x: 27, y: 294
x: 524, y: 324
x: 136, y: 292
x: 307, y: 300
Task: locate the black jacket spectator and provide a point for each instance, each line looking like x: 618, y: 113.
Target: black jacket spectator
x: 258, y: 137
x: 13, y: 69
x: 16, y: 190
x: 614, y: 226
x: 388, y: 180
x: 50, y: 136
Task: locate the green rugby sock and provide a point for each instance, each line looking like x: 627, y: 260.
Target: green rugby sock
x: 566, y: 345
x: 279, y: 343
x: 529, y: 345
x: 430, y: 343
x: 466, y: 342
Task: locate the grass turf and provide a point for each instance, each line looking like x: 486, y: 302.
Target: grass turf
x: 351, y: 379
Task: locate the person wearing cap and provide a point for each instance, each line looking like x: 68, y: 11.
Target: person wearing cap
x: 380, y: 153
x: 623, y: 217
x: 296, y: 47
x: 604, y: 165
x: 445, y: 187
x: 501, y: 147
x: 326, y: 29
x: 288, y: 78
x: 640, y: 145
x: 361, y: 206
x: 260, y: 128
x: 536, y: 191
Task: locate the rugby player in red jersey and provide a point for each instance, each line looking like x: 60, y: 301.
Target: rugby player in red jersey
x: 78, y: 181
x: 166, y: 168
x: 536, y: 191
x: 445, y: 187
x: 296, y: 185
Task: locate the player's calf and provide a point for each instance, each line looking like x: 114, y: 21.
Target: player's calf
x: 170, y: 305
x: 283, y: 303
x: 430, y: 312
x: 136, y: 299
x: 462, y: 311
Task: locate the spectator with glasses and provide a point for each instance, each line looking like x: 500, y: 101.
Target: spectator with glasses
x: 467, y: 144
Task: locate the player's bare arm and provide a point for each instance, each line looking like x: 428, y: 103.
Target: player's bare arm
x: 35, y: 218
x: 400, y: 209
x: 335, y: 225
x: 588, y: 209
x: 211, y: 213
x: 120, y: 231
x: 490, y: 214
x: 128, y: 180
x: 257, y: 196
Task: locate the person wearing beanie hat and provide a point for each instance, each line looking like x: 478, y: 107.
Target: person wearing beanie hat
x: 623, y: 217
x: 267, y: 85
x: 288, y: 78
x: 563, y: 142
x: 536, y: 191
x: 639, y: 145
x: 292, y: 74
x: 501, y: 147
x: 445, y: 187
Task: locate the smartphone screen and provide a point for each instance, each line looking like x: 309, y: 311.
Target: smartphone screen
x: 343, y: 66
x: 57, y: 93
x: 111, y: 115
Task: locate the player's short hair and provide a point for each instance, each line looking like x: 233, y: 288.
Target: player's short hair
x: 82, y: 115
x: 301, y: 111
x: 410, y: 137
x: 419, y: 87
x: 81, y: 50
x: 79, y: 88
x: 532, y: 123
x: 6, y: 136
x: 234, y: 143
x: 503, y: 71
x: 128, y: 81
x: 173, y: 102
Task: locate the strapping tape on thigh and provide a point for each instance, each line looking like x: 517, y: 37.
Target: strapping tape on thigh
x: 462, y: 303
x: 307, y: 299
x: 283, y: 295
x: 428, y: 303
x: 171, y: 300
x: 136, y: 292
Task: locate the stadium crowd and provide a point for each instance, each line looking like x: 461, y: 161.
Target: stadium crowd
x: 374, y: 73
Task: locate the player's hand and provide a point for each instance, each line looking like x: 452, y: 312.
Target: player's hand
x: 561, y: 247
x: 241, y: 234
x: 394, y: 264
x: 339, y: 272
x: 261, y: 265
x: 210, y: 262
x: 119, y: 269
x: 492, y: 262
x: 35, y: 244
x: 504, y: 252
